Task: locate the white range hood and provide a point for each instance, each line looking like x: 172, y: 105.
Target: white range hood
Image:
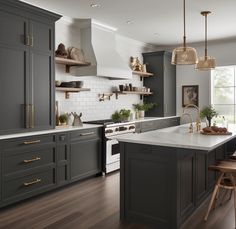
x: 99, y: 46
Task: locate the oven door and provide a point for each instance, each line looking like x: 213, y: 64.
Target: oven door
x: 112, y: 151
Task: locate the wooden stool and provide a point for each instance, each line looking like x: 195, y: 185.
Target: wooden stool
x: 226, y: 180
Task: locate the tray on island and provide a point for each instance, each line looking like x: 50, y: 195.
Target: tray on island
x: 216, y: 133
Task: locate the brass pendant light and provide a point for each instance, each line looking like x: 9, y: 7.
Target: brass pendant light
x: 184, y: 55
x: 206, y: 62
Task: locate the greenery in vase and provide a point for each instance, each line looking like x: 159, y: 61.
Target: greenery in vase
x: 208, y: 112
x: 63, y: 118
x: 122, y: 115
x: 144, y: 106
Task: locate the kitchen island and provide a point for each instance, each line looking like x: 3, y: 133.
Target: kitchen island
x: 164, y: 174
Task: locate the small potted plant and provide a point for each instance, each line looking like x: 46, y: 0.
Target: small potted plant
x: 63, y: 118
x: 142, y: 107
x: 121, y: 116
x: 208, y: 112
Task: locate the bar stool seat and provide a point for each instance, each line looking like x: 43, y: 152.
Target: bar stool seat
x: 226, y: 180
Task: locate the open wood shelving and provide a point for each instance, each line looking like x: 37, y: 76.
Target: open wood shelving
x: 117, y: 93
x: 68, y: 90
x: 142, y: 74
x: 69, y: 63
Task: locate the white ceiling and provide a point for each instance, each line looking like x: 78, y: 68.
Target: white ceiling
x: 163, y: 17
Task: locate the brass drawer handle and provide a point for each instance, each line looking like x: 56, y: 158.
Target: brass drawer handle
x: 32, y: 160
x: 86, y: 134
x: 32, y: 182
x: 31, y: 142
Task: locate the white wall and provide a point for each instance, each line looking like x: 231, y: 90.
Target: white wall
x: 88, y: 102
x: 225, y: 54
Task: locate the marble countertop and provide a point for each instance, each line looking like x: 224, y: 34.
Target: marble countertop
x: 56, y: 130
x: 145, y: 119
x: 179, y: 137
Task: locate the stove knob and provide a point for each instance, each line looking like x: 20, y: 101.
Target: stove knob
x: 109, y: 131
x: 131, y: 127
x: 117, y: 129
x: 122, y: 128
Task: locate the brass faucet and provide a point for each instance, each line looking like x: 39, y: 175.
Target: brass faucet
x: 191, y: 120
x: 198, y: 119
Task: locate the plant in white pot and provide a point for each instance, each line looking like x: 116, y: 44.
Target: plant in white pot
x: 142, y: 107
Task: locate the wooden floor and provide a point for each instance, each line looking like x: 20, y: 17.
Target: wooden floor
x: 93, y: 204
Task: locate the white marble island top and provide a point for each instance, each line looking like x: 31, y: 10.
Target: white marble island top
x: 178, y: 137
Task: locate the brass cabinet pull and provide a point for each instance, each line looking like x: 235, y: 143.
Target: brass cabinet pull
x: 31, y: 142
x: 27, y: 116
x: 31, y: 41
x: 32, y: 160
x: 31, y: 116
x: 86, y: 134
x: 32, y: 182
x: 27, y: 40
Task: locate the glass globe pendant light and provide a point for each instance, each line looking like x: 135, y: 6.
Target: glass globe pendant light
x: 206, y: 62
x: 184, y: 55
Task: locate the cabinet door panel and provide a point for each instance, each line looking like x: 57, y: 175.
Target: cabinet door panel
x: 42, y: 36
x: 13, y: 29
x: 85, y: 158
x: 41, y: 89
x: 13, y: 88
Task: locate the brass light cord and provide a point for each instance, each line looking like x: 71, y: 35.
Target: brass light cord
x: 184, y: 24
x: 205, y: 36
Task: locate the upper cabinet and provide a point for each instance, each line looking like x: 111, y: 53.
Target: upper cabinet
x: 163, y: 86
x: 26, y: 67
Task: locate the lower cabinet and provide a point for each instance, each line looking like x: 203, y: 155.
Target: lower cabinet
x: 36, y: 164
x: 28, y: 167
x: 163, y: 186
x: 85, y: 152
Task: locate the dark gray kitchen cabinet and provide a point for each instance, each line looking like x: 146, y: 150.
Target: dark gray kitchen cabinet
x: 28, y: 167
x: 26, y: 67
x: 163, y: 83
x: 63, y: 159
x: 162, y: 186
x: 85, y: 153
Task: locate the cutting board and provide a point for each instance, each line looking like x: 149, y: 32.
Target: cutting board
x: 216, y: 133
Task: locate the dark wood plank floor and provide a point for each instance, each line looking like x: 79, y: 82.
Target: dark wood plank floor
x: 93, y: 204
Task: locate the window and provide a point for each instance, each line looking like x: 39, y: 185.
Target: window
x: 223, y: 93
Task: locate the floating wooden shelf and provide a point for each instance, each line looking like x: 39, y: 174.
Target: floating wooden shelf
x: 71, y: 90
x: 69, y: 63
x: 143, y: 74
x: 132, y: 93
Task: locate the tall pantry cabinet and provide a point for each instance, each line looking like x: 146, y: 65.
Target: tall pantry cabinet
x: 163, y: 83
x: 26, y: 67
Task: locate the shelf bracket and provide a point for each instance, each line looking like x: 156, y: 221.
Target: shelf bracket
x: 67, y: 68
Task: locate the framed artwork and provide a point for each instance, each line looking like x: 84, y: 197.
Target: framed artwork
x: 189, y: 95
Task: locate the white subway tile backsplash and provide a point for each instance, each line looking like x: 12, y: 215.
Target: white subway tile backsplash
x: 88, y: 102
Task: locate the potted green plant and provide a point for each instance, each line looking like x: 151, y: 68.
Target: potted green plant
x: 142, y: 107
x: 63, y: 118
x: 208, y: 112
x: 121, y: 116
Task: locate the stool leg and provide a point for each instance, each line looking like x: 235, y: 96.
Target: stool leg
x: 233, y: 182
x: 213, y: 195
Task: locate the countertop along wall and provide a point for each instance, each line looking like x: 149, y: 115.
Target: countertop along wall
x: 88, y: 102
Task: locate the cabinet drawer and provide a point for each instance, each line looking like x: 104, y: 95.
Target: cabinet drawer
x: 29, y: 141
x: 17, y: 162
x: 28, y: 185
x: 85, y: 134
